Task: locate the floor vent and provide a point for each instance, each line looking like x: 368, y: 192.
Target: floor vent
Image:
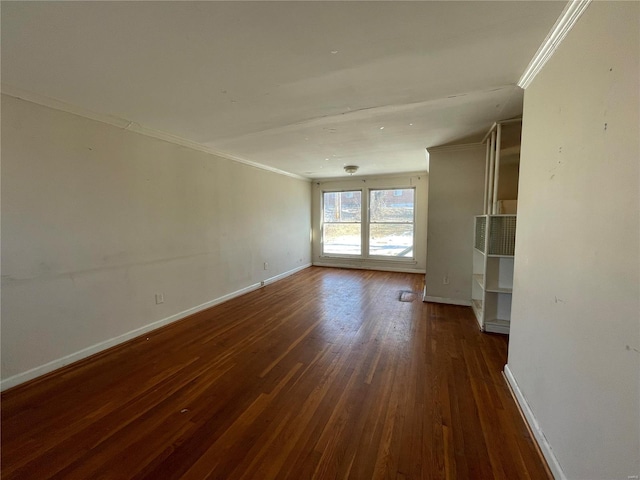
x: 407, y: 296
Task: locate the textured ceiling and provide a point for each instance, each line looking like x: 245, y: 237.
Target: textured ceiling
x: 304, y: 87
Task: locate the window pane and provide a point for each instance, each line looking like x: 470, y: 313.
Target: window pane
x: 391, y: 205
x: 342, y: 206
x: 342, y: 238
x: 394, y: 240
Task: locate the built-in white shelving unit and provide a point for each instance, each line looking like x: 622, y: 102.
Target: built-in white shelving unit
x: 494, y: 243
x: 495, y: 232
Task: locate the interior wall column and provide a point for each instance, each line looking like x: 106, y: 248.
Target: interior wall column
x: 496, y: 169
x: 491, y: 170
x: 485, y: 206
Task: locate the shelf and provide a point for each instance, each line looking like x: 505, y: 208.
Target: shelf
x: 479, y: 278
x: 492, y: 272
x: 498, y: 289
x: 496, y: 325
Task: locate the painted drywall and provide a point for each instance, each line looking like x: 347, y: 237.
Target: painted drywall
x: 456, y: 194
x: 286, y: 84
x: 97, y: 220
x: 417, y: 180
x: 508, y: 180
x: 575, y: 325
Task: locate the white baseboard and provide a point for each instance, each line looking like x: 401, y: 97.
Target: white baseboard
x: 546, y: 449
x: 286, y: 274
x: 449, y: 301
x: 98, y: 347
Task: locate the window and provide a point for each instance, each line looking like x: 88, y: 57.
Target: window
x: 391, y: 220
x: 386, y: 233
x: 342, y: 223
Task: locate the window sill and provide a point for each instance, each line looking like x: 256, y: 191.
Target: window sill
x: 382, y: 260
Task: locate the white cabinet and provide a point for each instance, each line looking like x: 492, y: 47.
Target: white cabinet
x: 494, y: 243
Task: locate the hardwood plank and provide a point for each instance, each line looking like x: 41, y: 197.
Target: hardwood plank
x: 325, y: 374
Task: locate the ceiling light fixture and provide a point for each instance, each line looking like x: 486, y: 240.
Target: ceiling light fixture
x: 351, y: 169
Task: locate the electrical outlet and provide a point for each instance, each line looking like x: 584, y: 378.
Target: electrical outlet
x: 159, y: 298
x: 266, y: 266
x: 445, y: 280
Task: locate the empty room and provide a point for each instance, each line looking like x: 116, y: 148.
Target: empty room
x: 320, y: 240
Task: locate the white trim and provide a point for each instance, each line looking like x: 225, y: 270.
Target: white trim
x: 135, y: 127
x: 399, y: 176
x: 381, y: 268
x: 371, y: 259
x: 450, y: 148
x: 501, y: 122
x: 448, y: 301
x: 271, y: 280
x: 568, y: 18
x: 530, y: 418
x: 98, y: 347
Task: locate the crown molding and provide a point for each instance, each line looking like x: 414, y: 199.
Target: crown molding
x: 568, y: 18
x: 364, y: 178
x: 131, y: 126
x: 452, y: 148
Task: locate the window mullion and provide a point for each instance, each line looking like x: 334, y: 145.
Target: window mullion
x: 365, y: 223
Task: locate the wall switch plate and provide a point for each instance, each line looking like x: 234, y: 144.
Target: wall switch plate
x: 266, y: 266
x: 159, y: 298
x: 445, y: 280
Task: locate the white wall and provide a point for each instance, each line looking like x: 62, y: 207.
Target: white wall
x: 417, y: 180
x: 456, y: 194
x: 574, y: 350
x: 508, y: 180
x: 96, y: 220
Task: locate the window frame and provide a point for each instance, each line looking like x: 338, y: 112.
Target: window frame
x: 412, y: 223
x: 365, y: 222
x: 322, y: 223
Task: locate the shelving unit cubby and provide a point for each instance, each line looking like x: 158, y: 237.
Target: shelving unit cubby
x: 494, y: 244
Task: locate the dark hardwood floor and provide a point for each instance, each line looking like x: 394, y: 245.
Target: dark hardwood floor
x: 325, y: 374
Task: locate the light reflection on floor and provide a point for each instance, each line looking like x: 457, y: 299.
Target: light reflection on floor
x: 350, y: 309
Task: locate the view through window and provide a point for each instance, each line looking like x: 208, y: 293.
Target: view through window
x: 342, y: 223
x: 391, y: 219
x: 388, y: 230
